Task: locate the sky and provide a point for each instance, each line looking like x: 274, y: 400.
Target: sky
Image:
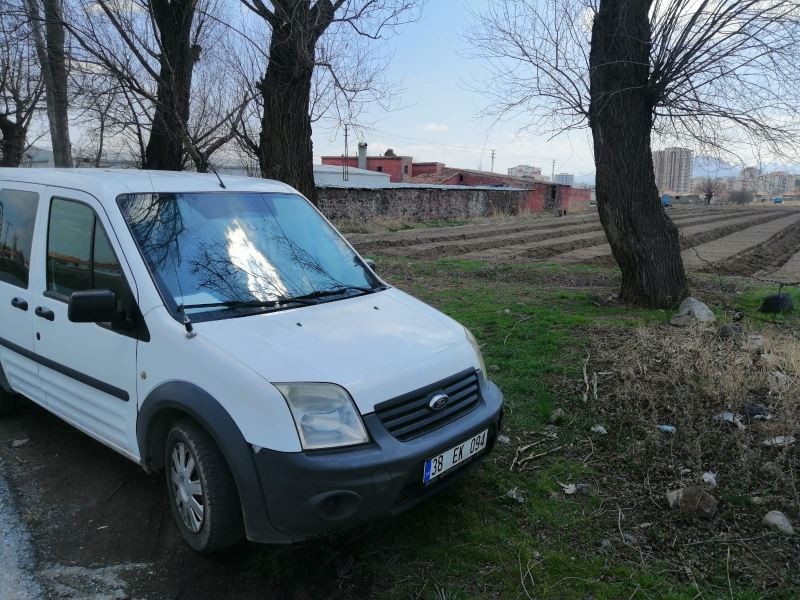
x: 438, y: 115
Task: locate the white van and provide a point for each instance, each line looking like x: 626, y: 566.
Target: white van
x: 224, y: 332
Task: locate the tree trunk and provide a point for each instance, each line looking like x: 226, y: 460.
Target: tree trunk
x: 50, y: 51
x: 643, y: 239
x: 285, y: 147
x: 165, y: 146
x: 12, y: 146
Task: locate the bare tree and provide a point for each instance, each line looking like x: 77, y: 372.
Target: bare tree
x: 716, y: 72
x: 296, y: 27
x: 20, y: 86
x: 150, y: 49
x: 710, y: 187
x: 48, y: 36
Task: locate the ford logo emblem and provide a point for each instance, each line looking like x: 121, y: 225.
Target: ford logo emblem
x: 438, y: 402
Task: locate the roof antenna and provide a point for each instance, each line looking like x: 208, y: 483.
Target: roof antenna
x: 187, y: 323
x: 214, y: 171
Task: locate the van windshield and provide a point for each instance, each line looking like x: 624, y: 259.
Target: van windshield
x: 233, y: 253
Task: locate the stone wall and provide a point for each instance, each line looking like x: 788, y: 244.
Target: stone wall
x: 419, y: 203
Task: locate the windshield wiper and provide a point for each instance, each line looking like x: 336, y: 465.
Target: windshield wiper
x: 334, y: 292
x: 244, y: 304
x: 303, y: 299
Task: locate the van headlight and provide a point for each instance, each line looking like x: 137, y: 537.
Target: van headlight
x: 324, y: 414
x: 474, y: 343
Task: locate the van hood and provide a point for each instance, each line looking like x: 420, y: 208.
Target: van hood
x: 377, y: 346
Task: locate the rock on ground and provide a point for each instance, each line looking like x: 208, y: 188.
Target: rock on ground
x: 731, y: 330
x: 691, y: 311
x: 778, y: 521
x: 693, y: 502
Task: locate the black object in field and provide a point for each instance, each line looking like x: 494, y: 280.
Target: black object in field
x: 777, y: 304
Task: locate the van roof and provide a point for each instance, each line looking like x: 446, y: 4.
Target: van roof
x: 113, y: 182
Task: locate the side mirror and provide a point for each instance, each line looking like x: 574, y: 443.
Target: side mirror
x: 370, y: 263
x: 93, y: 306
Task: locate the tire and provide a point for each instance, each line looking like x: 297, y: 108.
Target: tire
x: 201, y: 490
x: 9, y: 402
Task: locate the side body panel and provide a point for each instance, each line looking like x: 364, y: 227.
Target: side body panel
x: 87, y: 371
x: 16, y: 306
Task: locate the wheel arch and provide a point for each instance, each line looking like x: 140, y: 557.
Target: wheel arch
x: 5, y: 386
x: 177, y: 399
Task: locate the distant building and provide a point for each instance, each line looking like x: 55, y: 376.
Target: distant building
x: 525, y: 171
x: 399, y: 168
x: 673, y: 169
x: 330, y: 175
x: 778, y: 183
x: 37, y: 157
x: 564, y: 179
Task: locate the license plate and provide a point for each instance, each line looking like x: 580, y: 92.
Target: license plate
x: 454, y: 456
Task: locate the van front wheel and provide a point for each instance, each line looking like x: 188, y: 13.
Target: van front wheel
x: 201, y: 489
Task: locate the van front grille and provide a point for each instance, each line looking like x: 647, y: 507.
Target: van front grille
x: 409, y: 416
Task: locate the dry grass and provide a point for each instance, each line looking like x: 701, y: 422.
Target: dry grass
x: 684, y: 378
x: 384, y: 224
x: 661, y: 375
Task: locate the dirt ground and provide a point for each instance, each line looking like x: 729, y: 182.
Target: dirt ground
x: 556, y: 239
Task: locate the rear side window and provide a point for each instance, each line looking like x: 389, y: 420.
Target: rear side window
x: 79, y: 255
x: 17, y: 217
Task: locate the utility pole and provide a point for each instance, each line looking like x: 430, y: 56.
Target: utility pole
x: 493, y: 161
x: 553, y: 172
x: 346, y: 165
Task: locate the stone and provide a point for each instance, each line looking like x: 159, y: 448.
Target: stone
x: 20, y: 442
x: 697, y: 503
x: 710, y: 479
x: 681, y: 320
x: 599, y: 429
x: 756, y: 342
x: 755, y: 411
x: 692, y: 310
x: 557, y: 416
x: 777, y: 382
x: 693, y: 502
x: 731, y: 330
x: 757, y: 500
x: 778, y: 521
x: 503, y: 440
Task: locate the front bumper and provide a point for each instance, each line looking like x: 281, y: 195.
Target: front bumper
x: 309, y: 494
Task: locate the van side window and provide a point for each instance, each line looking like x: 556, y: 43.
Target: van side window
x: 17, y: 216
x: 79, y: 255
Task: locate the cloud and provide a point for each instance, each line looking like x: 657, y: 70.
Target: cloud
x: 435, y: 127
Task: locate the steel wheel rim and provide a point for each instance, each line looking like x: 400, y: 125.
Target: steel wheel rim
x: 187, y: 489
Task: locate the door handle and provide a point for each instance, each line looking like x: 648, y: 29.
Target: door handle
x: 19, y: 303
x: 45, y: 313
